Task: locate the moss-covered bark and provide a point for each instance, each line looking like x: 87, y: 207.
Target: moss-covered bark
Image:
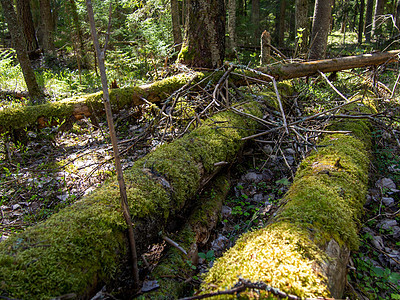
x: 305, y: 249
x: 196, y: 231
x: 78, y: 107
x: 80, y: 247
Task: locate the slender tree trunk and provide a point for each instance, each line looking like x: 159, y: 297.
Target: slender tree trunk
x: 241, y: 7
x: 255, y: 20
x: 78, y: 31
x: 232, y: 24
x: 368, y: 20
x: 204, y: 43
x: 114, y: 141
x: 361, y: 21
x: 48, y: 27
x: 25, y: 18
x: 378, y: 17
x: 282, y: 12
x: 320, y: 28
x: 176, y: 29
x: 397, y: 20
x: 302, y: 25
x: 18, y: 40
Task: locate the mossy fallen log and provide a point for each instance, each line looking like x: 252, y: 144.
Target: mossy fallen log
x: 305, y: 249
x: 81, y: 246
x: 175, y: 268
x: 48, y: 114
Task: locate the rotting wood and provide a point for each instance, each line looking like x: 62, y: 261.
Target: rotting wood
x: 305, y: 249
x: 80, y: 247
x: 50, y: 114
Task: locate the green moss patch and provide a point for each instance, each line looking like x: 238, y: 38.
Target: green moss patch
x: 280, y: 255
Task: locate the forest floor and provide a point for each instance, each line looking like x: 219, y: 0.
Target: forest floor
x: 52, y: 169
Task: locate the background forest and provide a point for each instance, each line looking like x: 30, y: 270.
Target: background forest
x: 44, y: 170
x: 142, y: 37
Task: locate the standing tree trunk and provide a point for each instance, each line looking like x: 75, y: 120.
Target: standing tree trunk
x: 176, y: 29
x: 19, y: 44
x: 281, y: 26
x: 397, y: 20
x: 204, y: 43
x: 48, y: 27
x: 82, y: 59
x: 302, y: 25
x: 25, y: 18
x: 232, y: 24
x: 361, y: 21
x: 378, y: 17
x: 320, y: 28
x: 255, y: 20
x: 368, y: 20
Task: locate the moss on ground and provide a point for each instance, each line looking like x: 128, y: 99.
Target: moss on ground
x: 325, y: 202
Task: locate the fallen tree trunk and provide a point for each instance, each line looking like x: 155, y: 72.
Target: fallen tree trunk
x: 52, y: 113
x: 48, y: 114
x: 301, y: 69
x: 173, y: 272
x: 80, y: 247
x: 305, y: 249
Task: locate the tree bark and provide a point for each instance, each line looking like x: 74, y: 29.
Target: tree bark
x: 397, y: 19
x: 25, y: 18
x: 18, y: 40
x: 255, y: 20
x: 361, y: 21
x: 302, y: 26
x: 48, y: 27
x: 378, y: 17
x: 265, y: 47
x: 368, y: 20
x: 320, y: 28
x: 281, y: 26
x: 176, y: 28
x: 81, y: 56
x: 232, y: 24
x: 204, y: 43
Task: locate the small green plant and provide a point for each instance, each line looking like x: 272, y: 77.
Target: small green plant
x: 190, y: 264
x: 208, y: 257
